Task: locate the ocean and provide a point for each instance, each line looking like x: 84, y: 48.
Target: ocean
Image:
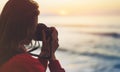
x: 90, y: 49
x: 88, y: 46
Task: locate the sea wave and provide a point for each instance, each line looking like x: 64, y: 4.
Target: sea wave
x: 112, y: 34
x: 98, y: 55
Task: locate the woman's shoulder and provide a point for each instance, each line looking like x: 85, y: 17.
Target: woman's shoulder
x: 24, y: 57
x: 23, y: 62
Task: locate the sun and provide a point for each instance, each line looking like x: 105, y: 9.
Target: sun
x: 63, y: 12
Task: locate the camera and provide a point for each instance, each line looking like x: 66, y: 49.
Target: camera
x: 38, y: 33
x: 38, y: 36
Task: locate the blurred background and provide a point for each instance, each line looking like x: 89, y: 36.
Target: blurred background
x: 89, y: 33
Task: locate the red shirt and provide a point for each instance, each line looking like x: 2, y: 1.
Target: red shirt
x: 26, y: 63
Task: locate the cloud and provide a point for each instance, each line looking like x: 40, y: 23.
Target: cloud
x: 48, y: 14
x: 105, y: 12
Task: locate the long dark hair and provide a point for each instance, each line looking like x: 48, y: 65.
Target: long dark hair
x: 17, y: 22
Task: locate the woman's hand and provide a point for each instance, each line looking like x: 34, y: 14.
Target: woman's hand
x: 55, y: 44
x: 47, y: 43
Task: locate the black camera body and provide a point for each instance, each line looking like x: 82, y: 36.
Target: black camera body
x: 39, y: 37
x: 39, y: 29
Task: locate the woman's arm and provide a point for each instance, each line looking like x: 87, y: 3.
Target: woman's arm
x: 44, y: 62
x: 54, y: 64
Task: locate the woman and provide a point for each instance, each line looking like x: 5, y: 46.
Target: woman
x: 18, y: 22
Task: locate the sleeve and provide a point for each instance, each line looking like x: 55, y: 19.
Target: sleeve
x: 55, y: 66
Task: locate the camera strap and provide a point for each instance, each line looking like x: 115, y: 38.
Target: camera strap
x: 45, y: 56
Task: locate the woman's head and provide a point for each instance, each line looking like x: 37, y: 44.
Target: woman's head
x: 17, y: 23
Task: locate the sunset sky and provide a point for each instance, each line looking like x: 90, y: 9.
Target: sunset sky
x: 77, y: 7
x: 80, y: 7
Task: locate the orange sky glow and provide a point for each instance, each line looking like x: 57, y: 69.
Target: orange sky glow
x: 78, y: 11
x: 77, y: 7
x: 80, y: 7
